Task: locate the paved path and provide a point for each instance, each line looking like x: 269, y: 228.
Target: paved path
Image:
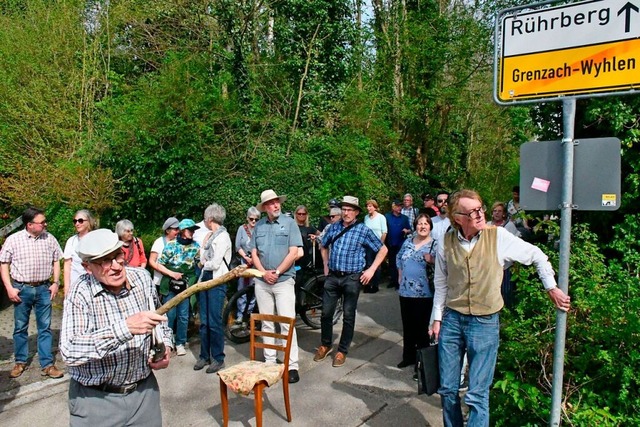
x: 369, y: 390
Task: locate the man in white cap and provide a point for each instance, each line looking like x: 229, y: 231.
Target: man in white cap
x: 344, y: 254
x: 275, y: 242
x: 106, y: 339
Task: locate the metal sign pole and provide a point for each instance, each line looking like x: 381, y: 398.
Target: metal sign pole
x: 568, y: 122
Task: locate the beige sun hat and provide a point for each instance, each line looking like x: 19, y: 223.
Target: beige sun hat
x: 267, y: 195
x: 97, y: 244
x: 351, y: 201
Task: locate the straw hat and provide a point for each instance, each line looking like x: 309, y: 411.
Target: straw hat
x: 269, y: 195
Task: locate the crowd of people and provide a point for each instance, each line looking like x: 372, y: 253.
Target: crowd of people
x: 449, y: 266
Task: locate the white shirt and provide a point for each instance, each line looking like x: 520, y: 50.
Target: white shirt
x: 440, y: 227
x: 200, y: 233
x: 510, y: 249
x: 77, y: 269
x: 157, y: 247
x: 509, y: 226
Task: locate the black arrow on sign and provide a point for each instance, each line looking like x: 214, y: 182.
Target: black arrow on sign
x: 627, y: 8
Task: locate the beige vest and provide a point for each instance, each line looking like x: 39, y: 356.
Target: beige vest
x: 474, y: 278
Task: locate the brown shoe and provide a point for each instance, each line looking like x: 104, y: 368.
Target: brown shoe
x: 52, y: 372
x: 17, y: 370
x: 339, y: 359
x: 321, y: 353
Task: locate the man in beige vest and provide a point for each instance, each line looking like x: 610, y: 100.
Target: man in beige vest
x: 467, y: 302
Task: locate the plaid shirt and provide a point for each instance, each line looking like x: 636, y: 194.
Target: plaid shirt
x: 347, y: 254
x: 96, y: 343
x: 31, y: 258
x: 410, y: 213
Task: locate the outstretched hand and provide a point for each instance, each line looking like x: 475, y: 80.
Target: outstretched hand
x: 561, y: 300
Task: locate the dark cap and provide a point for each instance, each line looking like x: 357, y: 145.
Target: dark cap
x: 397, y: 202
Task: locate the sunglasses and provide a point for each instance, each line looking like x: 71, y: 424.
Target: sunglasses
x: 301, y: 213
x: 333, y: 216
x: 252, y: 219
x: 79, y: 220
x: 442, y: 200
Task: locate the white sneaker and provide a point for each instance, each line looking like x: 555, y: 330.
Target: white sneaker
x: 180, y: 351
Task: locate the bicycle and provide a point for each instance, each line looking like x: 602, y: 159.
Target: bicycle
x: 309, y: 288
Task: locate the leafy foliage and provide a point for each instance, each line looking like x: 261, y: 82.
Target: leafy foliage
x: 601, y: 383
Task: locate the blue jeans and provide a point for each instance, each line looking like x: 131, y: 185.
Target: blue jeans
x: 40, y: 298
x: 349, y: 288
x: 479, y: 336
x: 211, y: 303
x: 179, y: 316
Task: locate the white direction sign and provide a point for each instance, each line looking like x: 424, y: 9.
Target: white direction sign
x: 572, y: 49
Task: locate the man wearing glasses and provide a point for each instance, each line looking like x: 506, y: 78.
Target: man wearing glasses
x: 343, y: 250
x: 29, y: 260
x: 442, y: 199
x: 469, y: 264
x: 107, y: 327
x: 441, y: 222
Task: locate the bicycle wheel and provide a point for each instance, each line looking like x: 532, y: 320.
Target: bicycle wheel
x: 311, y: 309
x: 238, y: 332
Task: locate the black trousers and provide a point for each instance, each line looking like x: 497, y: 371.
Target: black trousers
x: 415, y: 313
x: 393, y: 266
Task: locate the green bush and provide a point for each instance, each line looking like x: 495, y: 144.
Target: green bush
x: 601, y: 376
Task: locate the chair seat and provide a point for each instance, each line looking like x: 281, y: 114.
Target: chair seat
x: 241, y: 378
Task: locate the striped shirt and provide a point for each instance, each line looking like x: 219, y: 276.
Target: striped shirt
x: 30, y: 258
x: 96, y: 343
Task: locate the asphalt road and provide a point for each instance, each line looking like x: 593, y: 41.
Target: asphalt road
x: 369, y: 390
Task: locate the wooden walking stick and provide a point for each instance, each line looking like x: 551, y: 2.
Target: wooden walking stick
x: 239, y: 271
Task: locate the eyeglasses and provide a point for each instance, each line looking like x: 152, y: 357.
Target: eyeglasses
x: 107, y: 261
x: 40, y: 223
x: 442, y: 200
x: 128, y: 231
x: 252, y: 219
x: 348, y: 210
x: 79, y: 221
x: 301, y: 213
x: 474, y: 214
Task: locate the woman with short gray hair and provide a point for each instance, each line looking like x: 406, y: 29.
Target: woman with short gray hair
x: 132, y: 248
x: 243, y: 238
x: 215, y: 256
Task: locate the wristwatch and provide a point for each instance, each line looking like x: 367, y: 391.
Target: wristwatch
x: 277, y: 272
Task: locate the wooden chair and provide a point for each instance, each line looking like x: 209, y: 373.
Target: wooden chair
x: 252, y: 375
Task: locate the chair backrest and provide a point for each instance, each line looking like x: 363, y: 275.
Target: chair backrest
x: 277, y: 336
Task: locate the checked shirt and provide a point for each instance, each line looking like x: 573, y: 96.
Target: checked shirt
x: 96, y: 343
x: 31, y: 258
x: 347, y: 253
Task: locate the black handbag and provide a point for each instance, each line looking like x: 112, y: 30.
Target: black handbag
x: 177, y: 285
x: 428, y: 370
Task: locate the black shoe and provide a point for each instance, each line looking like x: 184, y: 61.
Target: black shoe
x: 415, y: 377
x: 293, y: 376
x: 391, y: 285
x: 404, y: 364
x: 201, y: 363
